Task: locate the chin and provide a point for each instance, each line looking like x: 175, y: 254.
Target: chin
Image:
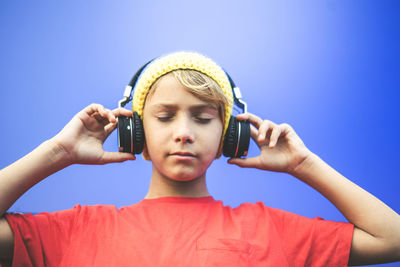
x: 184, y: 176
x: 185, y: 180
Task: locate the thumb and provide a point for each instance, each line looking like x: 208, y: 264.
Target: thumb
x: 110, y: 157
x: 245, y: 162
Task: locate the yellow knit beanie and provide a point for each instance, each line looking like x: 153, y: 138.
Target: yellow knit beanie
x: 175, y: 61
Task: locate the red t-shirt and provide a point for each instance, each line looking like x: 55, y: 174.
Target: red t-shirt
x: 178, y: 231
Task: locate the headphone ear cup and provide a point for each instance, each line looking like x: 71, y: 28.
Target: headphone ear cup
x: 244, y: 138
x: 230, y: 139
x: 138, y: 134
x: 125, y: 134
x: 237, y: 139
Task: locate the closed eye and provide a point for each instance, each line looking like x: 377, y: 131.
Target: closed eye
x: 164, y: 118
x: 198, y: 119
x: 203, y: 120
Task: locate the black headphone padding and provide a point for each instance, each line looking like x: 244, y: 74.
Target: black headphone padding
x: 244, y: 141
x: 230, y: 138
x: 138, y: 134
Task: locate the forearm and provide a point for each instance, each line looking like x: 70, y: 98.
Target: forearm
x: 18, y: 177
x: 359, y: 207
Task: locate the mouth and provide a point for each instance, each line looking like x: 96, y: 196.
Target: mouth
x: 183, y: 154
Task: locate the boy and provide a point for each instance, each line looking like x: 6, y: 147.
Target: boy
x: 185, y: 102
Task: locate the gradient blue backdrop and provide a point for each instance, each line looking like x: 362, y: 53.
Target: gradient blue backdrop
x: 328, y: 68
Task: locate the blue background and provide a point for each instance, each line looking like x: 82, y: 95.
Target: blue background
x: 328, y: 68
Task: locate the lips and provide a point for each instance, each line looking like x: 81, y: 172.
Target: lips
x: 183, y: 154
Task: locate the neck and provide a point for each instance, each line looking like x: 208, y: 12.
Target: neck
x: 162, y: 186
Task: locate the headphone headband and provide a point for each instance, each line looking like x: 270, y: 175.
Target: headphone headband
x: 237, y: 96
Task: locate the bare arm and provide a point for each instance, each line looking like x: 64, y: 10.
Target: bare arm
x: 17, y: 178
x: 376, y: 237
x: 80, y: 142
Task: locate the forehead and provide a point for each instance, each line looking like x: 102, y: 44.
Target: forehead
x: 169, y: 91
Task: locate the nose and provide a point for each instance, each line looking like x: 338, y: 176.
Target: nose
x: 183, y: 132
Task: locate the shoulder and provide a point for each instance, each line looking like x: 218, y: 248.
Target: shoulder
x: 282, y: 219
x: 78, y: 211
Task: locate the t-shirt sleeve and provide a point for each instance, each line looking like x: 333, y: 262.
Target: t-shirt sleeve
x: 39, y: 239
x: 312, y: 242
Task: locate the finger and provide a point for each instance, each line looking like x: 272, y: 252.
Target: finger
x: 98, y: 117
x: 245, y: 162
x: 100, y: 113
x: 122, y: 112
x: 242, y: 116
x: 253, y: 119
x: 253, y: 133
x: 276, y: 132
x: 109, y: 128
x: 104, y: 116
x: 102, y: 120
x: 92, y: 108
x: 106, y: 113
x: 110, y: 157
x: 284, y: 129
x: 263, y: 130
x: 116, y: 112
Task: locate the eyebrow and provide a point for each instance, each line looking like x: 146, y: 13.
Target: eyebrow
x: 193, y: 108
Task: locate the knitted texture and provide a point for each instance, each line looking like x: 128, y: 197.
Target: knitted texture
x: 182, y: 60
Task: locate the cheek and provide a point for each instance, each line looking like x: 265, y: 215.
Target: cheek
x: 154, y: 137
x: 152, y: 140
x: 212, y: 141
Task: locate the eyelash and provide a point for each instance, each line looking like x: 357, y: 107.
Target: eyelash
x: 200, y: 120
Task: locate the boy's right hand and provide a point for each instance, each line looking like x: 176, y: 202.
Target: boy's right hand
x: 83, y: 137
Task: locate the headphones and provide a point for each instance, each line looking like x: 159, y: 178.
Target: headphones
x: 131, y: 136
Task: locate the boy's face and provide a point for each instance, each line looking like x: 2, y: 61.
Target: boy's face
x: 183, y: 133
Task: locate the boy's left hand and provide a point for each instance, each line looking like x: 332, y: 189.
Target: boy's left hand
x: 281, y: 149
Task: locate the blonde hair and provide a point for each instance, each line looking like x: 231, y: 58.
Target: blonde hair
x: 202, y: 87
